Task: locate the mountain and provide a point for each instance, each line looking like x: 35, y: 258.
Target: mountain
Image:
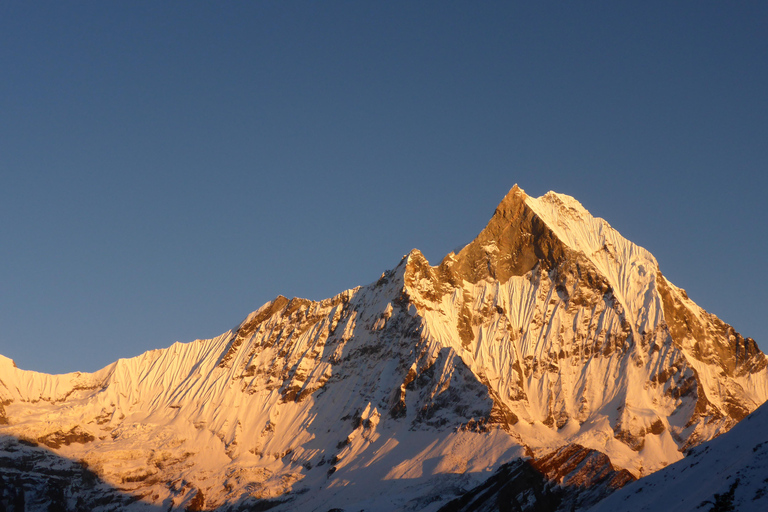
x: 549, y: 337
x: 727, y: 473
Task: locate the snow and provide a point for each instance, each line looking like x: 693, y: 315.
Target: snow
x: 740, y: 455
x: 629, y: 268
x: 372, y: 399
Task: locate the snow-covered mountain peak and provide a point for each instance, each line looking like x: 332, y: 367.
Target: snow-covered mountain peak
x: 567, y: 205
x: 510, y: 201
x: 514, y: 241
x: 587, y: 234
x: 548, y: 330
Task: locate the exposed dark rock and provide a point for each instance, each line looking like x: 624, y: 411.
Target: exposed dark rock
x: 59, y: 438
x: 3, y: 417
x: 249, y: 327
x: 571, y: 478
x: 516, y: 486
x: 716, y: 342
x: 521, y: 241
x: 197, y: 503
x: 576, y: 466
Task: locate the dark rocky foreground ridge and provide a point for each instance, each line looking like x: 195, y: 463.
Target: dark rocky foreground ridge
x: 550, y: 350
x: 571, y: 478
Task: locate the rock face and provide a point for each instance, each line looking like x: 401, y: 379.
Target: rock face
x: 570, y: 478
x: 548, y: 330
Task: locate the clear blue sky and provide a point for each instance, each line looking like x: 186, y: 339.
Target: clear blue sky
x: 166, y: 168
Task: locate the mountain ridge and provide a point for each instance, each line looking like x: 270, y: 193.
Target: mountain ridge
x: 549, y: 329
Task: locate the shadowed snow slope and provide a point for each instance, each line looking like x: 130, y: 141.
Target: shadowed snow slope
x: 34, y: 478
x: 549, y: 329
x: 730, y: 471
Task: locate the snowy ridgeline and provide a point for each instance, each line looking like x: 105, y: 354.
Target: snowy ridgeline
x: 548, y: 332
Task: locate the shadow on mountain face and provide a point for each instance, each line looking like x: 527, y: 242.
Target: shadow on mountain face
x: 35, y: 478
x: 511, y: 484
x: 571, y: 478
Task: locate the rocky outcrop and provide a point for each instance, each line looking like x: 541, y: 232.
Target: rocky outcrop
x: 727, y: 473
x: 59, y: 438
x: 3, y: 418
x: 571, y: 478
x: 514, y: 242
x: 709, y: 339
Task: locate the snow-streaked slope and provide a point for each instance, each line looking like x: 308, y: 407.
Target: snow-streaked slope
x: 732, y: 469
x: 580, y: 336
x: 630, y: 269
x: 548, y: 329
x: 299, y: 397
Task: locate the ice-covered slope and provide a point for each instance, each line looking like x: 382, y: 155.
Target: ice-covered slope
x: 579, y: 335
x: 549, y: 329
x: 730, y: 471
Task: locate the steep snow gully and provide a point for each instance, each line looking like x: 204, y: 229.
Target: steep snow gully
x: 550, y: 348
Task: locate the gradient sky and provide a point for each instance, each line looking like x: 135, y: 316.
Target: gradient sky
x: 166, y: 168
